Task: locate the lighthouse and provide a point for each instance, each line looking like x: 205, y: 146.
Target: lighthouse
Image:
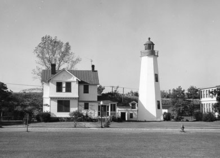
x: 149, y: 102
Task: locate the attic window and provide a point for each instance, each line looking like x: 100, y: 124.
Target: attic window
x: 133, y: 105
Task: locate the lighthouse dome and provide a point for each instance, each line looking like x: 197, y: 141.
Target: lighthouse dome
x: 149, y: 45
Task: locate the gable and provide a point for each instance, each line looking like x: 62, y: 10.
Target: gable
x: 64, y: 76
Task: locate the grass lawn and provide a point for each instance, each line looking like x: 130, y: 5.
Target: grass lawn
x: 108, y: 143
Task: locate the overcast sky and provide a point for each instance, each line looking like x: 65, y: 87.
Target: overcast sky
x: 112, y: 34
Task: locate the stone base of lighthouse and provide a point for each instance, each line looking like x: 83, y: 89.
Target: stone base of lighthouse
x: 149, y: 103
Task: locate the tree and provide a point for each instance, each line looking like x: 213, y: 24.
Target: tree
x: 53, y: 51
x: 5, y: 95
x: 100, y: 89
x: 192, y: 93
x: 216, y: 92
x: 165, y: 94
x: 178, y: 100
x: 132, y: 93
x: 30, y: 103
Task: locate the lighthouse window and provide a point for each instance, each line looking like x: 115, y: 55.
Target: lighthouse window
x: 156, y: 77
x: 158, y: 104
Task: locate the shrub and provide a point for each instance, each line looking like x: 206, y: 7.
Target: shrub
x: 43, y: 117
x: 209, y: 117
x: 107, y: 123
x: 54, y: 119
x: 119, y: 119
x: 113, y: 118
x: 77, y: 115
x: 198, y: 116
x: 178, y: 118
x: 167, y: 116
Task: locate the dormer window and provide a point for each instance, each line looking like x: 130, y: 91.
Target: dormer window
x: 133, y: 105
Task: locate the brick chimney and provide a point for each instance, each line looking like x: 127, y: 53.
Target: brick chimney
x: 93, y: 67
x: 53, y: 69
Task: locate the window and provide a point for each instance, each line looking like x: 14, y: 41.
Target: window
x: 99, y: 113
x: 63, y: 106
x: 156, y: 77
x: 107, y: 110
x: 86, y: 89
x: 113, y: 107
x: 158, y: 104
x: 59, y: 87
x: 133, y: 105
x: 68, y: 87
x: 207, y: 92
x: 104, y: 111
x: 131, y: 115
x: 200, y: 94
x: 86, y: 106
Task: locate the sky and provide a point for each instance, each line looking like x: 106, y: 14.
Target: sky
x: 112, y: 33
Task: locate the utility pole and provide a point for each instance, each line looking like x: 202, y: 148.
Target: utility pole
x: 123, y: 95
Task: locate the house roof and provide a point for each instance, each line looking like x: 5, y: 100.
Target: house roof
x: 105, y: 102
x: 88, y: 76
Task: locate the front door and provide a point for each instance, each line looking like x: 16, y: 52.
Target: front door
x: 123, y: 116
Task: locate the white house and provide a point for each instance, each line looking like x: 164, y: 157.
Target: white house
x: 65, y: 91
x: 112, y: 108
x: 207, y: 99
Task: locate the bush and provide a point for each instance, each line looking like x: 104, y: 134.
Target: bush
x: 113, y: 118
x: 208, y: 117
x: 198, y: 116
x: 54, y: 119
x: 80, y: 117
x: 176, y: 117
x: 43, y: 117
x: 167, y: 116
x: 107, y: 123
x: 76, y: 115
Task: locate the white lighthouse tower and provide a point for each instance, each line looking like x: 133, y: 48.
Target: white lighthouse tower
x: 149, y: 103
